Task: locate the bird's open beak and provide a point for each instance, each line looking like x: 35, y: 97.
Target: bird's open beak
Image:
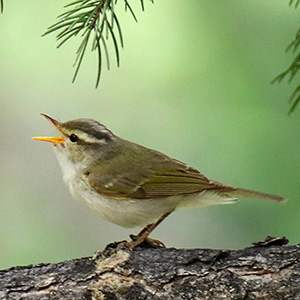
x: 54, y: 140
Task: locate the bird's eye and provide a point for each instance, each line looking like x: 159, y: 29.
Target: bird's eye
x: 73, y: 138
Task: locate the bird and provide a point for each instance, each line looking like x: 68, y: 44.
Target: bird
x: 131, y: 185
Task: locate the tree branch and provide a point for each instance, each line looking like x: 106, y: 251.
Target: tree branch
x: 268, y: 270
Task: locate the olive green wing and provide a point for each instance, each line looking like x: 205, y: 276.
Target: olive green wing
x: 179, y: 182
x: 137, y: 172
x: 166, y: 177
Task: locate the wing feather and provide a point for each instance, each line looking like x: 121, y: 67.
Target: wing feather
x: 166, y: 177
x: 141, y: 173
x: 180, y: 182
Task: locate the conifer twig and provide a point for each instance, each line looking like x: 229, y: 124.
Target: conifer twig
x: 95, y: 21
x: 294, y: 67
x: 295, y: 2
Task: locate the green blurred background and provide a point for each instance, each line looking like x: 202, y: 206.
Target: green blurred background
x: 194, y: 83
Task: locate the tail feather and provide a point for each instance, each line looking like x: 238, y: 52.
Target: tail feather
x: 254, y: 194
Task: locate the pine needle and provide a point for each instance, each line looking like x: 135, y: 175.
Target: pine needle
x: 294, y: 67
x: 84, y: 17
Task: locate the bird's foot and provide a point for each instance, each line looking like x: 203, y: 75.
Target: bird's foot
x: 140, y: 240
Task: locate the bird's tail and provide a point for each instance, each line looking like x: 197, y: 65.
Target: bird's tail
x: 240, y: 192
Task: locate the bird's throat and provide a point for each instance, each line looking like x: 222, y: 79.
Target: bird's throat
x: 69, y: 168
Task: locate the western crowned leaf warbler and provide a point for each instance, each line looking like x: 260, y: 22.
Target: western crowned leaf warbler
x: 131, y: 185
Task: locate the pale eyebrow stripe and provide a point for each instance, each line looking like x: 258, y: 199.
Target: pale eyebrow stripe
x: 89, y: 138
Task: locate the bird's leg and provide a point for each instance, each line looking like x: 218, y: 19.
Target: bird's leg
x: 147, y: 240
x: 144, y: 233
x: 135, y: 237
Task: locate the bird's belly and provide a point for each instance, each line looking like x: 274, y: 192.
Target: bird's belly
x: 124, y: 212
x: 141, y: 212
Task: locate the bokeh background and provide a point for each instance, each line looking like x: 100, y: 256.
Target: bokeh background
x: 194, y: 83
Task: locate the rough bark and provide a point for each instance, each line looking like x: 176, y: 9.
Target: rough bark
x: 268, y: 270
